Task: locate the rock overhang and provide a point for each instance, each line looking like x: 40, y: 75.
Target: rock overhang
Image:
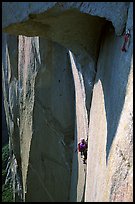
x: 75, y: 25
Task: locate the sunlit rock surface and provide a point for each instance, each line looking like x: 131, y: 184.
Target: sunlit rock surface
x: 64, y: 78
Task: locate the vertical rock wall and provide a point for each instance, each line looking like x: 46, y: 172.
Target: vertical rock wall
x: 109, y: 169
x: 40, y: 109
x: 81, y: 131
x: 10, y: 87
x: 5, y: 136
x: 48, y: 94
x: 50, y: 153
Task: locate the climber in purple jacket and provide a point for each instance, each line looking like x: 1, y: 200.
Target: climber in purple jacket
x: 82, y: 147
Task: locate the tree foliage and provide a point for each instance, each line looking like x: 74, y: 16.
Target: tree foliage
x: 7, y: 191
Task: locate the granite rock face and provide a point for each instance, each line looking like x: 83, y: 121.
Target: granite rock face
x: 64, y: 78
x: 105, y: 10
x: 4, y: 125
x: 110, y: 130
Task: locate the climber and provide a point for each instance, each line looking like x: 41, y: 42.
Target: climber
x: 126, y: 41
x: 82, y: 147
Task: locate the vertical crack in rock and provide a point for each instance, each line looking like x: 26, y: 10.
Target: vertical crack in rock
x: 53, y: 126
x: 53, y: 97
x: 81, y: 120
x: 26, y: 95
x: 40, y: 180
x: 81, y: 112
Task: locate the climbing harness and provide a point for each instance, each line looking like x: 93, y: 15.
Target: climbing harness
x: 126, y: 41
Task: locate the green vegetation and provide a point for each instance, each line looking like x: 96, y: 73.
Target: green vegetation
x: 5, y: 154
x: 7, y: 192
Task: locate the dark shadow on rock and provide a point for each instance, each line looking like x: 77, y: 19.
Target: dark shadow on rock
x: 74, y: 173
x: 113, y: 74
x: 9, y: 53
x: 51, y: 151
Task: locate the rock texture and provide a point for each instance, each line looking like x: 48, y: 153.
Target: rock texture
x: 110, y: 136
x: 105, y: 10
x: 4, y: 126
x: 65, y: 77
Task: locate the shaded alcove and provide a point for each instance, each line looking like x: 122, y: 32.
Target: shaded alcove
x: 80, y: 33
